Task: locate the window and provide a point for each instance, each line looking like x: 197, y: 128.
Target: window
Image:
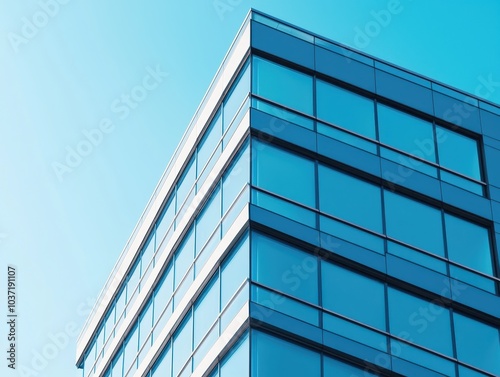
x: 238, y: 93
x: 183, y: 259
x: 162, y: 298
x: 206, y: 223
x: 477, y: 343
x: 357, y: 297
x: 333, y: 367
x: 459, y: 153
x: 414, y: 223
x: 164, y: 225
x: 284, y: 268
x: 282, y: 85
x: 118, y: 365
x: 237, y: 361
x: 350, y: 198
x: 206, y: 310
x: 130, y: 350
x: 348, y: 110
x: 424, y: 323
x: 163, y: 366
x: 145, y: 326
x: 182, y: 344
x: 273, y: 357
x: 209, y: 145
x: 184, y: 189
x: 409, y: 134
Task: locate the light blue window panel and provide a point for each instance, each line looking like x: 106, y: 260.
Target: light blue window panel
x: 237, y: 361
x: 283, y: 85
x: 183, y: 339
x: 145, y: 327
x: 184, y: 257
x: 147, y: 257
x: 100, y: 342
x: 206, y: 310
x: 284, y: 268
x: 163, y: 366
x: 357, y: 297
x: 120, y: 305
x: 185, y: 191
x: 133, y: 282
x: 165, y: 225
x: 478, y: 344
x: 458, y: 152
x: 337, y: 368
x: 206, y: 223
x: 90, y: 358
x: 162, y: 300
x: 235, y: 98
x: 118, y: 365
x: 109, y: 325
x: 347, y: 110
x: 414, y: 223
x: 284, y: 173
x: 130, y: 350
x: 349, y: 198
x: 273, y: 357
x: 235, y: 178
x: 469, y: 245
x: 424, y: 323
x: 209, y: 149
x: 406, y: 132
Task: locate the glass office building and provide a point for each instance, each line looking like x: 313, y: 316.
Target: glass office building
x: 326, y: 214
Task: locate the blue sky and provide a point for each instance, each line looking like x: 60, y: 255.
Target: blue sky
x: 118, y: 82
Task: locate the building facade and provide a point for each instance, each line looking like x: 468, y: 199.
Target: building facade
x: 326, y: 214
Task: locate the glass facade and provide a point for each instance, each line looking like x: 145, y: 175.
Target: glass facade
x: 313, y: 224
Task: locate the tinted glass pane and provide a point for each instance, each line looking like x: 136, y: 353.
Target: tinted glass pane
x: 406, y: 132
x: 349, y: 198
x: 163, y: 366
x: 283, y: 85
x: 163, y: 292
x: 345, y: 109
x: 353, y: 295
x: 183, y: 339
x: 238, y: 93
x: 145, y: 324
x: 477, y: 343
x: 209, y: 146
x: 414, y: 223
x: 468, y: 244
x: 235, y: 270
x: 164, y: 225
x: 184, y: 258
x: 237, y: 176
x: 130, y: 350
x: 118, y: 366
x: 133, y: 281
x: 237, y: 361
x: 458, y: 152
x: 284, y: 268
x: 208, y: 219
x: 184, y: 187
x: 336, y: 368
x: 206, y: 310
x: 420, y: 321
x: 284, y: 173
x: 273, y: 357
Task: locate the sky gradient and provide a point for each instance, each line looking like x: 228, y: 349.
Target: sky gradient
x: 95, y: 96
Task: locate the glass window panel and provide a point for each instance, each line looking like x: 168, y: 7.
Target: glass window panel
x: 284, y: 268
x: 147, y: 258
x: 337, y: 368
x: 419, y: 321
x: 346, y: 137
x: 133, y: 281
x: 209, y: 149
x: 237, y: 94
x: 409, y: 162
x: 184, y: 189
x: 145, y: 323
x: 234, y: 271
x: 183, y: 339
x: 120, y: 304
x: 207, y: 220
x: 273, y: 357
x: 406, y: 132
x: 237, y: 361
x: 414, y: 223
x: 206, y: 310
x: 130, y: 350
x: 462, y: 182
x: 284, y: 173
x: 283, y: 85
x: 118, y: 365
x: 163, y: 366
x: 468, y: 244
x: 90, y: 358
x: 100, y: 342
x: 284, y: 114
x: 350, y: 198
x: 345, y: 109
x: 353, y: 295
x: 237, y: 176
x: 164, y: 225
x: 162, y: 301
x: 458, y: 152
x: 184, y: 257
x: 478, y: 344
x: 417, y: 257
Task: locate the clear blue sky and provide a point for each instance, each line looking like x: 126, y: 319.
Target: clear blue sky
x: 63, y: 228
